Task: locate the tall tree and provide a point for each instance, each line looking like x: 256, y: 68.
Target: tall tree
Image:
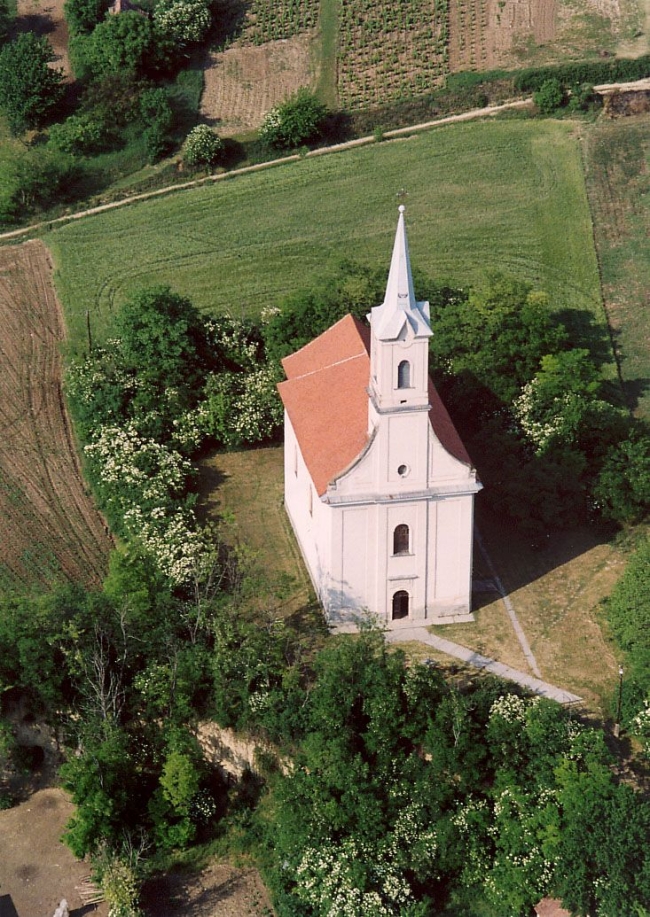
x: 29, y: 88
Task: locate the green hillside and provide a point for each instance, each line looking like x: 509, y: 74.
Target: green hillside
x: 508, y: 195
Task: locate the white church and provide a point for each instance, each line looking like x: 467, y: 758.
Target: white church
x: 378, y: 485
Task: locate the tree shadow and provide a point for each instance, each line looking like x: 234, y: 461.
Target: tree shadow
x: 588, y: 334
x: 38, y: 23
x: 634, y: 390
x: 228, y: 21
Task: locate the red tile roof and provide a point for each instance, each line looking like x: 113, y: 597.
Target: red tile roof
x: 326, y: 398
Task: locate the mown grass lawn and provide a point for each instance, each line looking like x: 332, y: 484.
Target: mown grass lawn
x: 617, y: 157
x: 507, y: 195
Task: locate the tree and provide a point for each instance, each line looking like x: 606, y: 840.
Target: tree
x: 83, y: 15
x: 622, y: 489
x: 297, y: 120
x: 29, y: 88
x: 202, y: 146
x: 121, y: 44
x: 494, y: 336
x: 163, y: 340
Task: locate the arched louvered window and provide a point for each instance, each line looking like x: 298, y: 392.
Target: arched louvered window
x: 400, y: 605
x: 404, y: 374
x: 401, y: 539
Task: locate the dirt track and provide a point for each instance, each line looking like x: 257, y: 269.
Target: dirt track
x: 49, y: 526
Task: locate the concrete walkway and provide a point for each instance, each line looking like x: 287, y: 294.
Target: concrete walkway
x: 470, y: 657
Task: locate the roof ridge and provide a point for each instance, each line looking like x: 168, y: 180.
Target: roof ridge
x: 355, y: 356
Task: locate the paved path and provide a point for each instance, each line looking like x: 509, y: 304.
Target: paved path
x: 505, y: 598
x: 470, y: 657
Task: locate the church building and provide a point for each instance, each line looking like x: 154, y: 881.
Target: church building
x: 378, y: 485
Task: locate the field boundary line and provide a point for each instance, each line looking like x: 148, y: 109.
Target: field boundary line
x: 474, y: 114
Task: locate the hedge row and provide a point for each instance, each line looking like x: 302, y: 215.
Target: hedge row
x: 594, y: 72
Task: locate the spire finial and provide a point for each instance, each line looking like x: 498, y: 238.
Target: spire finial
x: 402, y: 208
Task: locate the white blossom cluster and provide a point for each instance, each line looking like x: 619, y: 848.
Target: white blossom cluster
x: 271, y: 124
x: 640, y: 726
x: 171, y: 538
x: 525, y: 409
x: 184, y: 21
x: 510, y: 707
x: 231, y: 335
x: 327, y: 881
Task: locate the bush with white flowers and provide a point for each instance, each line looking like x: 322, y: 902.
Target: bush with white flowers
x: 202, y: 146
x: 183, y: 22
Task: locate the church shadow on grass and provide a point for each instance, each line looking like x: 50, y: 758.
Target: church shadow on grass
x: 7, y: 907
x: 520, y: 559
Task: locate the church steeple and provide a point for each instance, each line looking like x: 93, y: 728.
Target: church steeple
x: 400, y: 306
x: 399, y: 332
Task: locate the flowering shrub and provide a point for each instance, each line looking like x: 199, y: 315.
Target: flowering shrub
x: 296, y: 120
x: 202, y: 146
x: 243, y: 408
x: 640, y: 726
x: 182, y: 21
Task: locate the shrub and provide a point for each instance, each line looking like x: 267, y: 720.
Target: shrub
x: 202, y: 146
x: 79, y: 134
x: 549, y: 96
x: 297, y: 120
x: 182, y: 21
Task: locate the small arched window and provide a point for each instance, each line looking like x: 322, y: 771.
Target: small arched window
x: 400, y: 605
x: 404, y: 374
x: 401, y: 539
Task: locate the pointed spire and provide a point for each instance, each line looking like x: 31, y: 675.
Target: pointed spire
x: 400, y: 306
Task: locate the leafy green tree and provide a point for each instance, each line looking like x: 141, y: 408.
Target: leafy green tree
x: 306, y: 314
x: 297, y: 120
x: 494, y: 337
x: 83, y: 15
x: 622, y: 489
x: 122, y: 44
x: 202, y: 146
x: 29, y: 88
x: 162, y: 340
x: 549, y: 97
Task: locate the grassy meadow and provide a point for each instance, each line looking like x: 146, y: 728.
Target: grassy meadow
x: 507, y: 195
x: 617, y: 159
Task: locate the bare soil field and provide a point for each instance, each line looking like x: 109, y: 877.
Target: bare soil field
x: 36, y: 869
x: 49, y: 526
x: 245, y: 81
x: 488, y: 34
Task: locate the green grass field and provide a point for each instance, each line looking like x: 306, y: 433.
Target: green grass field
x: 618, y: 179
x: 508, y: 195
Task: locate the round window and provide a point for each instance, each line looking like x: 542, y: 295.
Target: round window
x: 403, y: 470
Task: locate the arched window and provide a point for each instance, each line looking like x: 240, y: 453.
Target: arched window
x: 400, y: 605
x: 401, y: 539
x: 404, y: 374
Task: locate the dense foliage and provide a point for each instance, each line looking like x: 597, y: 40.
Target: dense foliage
x: 29, y: 88
x: 167, y: 385
x: 299, y: 119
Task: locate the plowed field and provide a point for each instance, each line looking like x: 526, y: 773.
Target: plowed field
x: 49, y: 527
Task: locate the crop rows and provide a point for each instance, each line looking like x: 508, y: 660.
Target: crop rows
x: 390, y: 49
x: 271, y: 21
x: 470, y: 31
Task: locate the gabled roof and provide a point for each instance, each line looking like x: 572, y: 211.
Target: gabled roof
x: 326, y: 398
x: 400, y: 309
